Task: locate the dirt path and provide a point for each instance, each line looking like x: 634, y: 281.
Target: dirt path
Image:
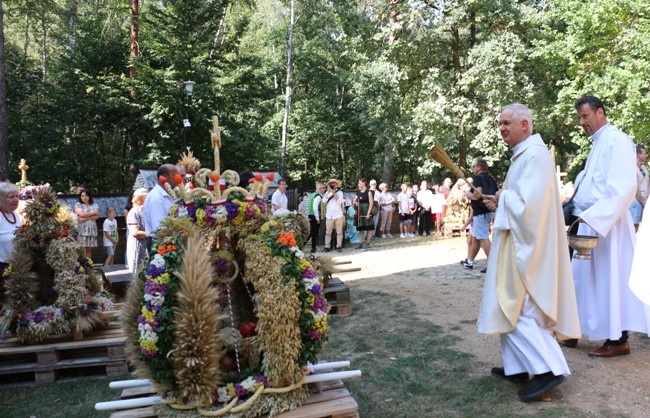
x: 428, y: 273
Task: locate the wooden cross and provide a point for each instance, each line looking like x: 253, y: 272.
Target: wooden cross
x: 23, y: 167
x: 216, y: 144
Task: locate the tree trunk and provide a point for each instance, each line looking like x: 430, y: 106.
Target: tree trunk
x: 134, y: 50
x: 4, y: 142
x: 287, y: 99
x: 389, y: 146
x: 44, y: 46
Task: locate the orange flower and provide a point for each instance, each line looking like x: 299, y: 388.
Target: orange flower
x: 164, y: 249
x: 287, y: 239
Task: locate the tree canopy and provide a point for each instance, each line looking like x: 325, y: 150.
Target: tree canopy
x: 375, y: 83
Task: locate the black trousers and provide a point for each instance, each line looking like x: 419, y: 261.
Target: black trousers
x: 424, y: 226
x: 314, y: 230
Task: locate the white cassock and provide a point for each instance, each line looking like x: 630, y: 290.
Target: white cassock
x: 528, y: 295
x: 640, y: 276
x: 606, y: 187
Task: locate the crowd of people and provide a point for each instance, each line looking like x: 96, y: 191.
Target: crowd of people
x: 420, y: 211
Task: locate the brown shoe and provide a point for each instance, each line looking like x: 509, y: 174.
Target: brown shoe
x: 610, y: 350
x: 571, y: 342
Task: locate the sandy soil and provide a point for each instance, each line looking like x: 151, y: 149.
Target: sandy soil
x: 427, y: 272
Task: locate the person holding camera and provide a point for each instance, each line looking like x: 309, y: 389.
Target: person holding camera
x: 334, y: 216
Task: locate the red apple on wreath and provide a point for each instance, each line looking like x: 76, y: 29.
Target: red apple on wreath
x: 248, y: 329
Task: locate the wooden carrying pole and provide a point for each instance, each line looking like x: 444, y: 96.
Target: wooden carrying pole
x: 437, y: 153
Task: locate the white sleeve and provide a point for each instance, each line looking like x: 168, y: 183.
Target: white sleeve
x: 316, y: 206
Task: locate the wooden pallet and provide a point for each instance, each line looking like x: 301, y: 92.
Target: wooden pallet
x: 333, y: 401
x: 337, y: 294
x: 100, y: 353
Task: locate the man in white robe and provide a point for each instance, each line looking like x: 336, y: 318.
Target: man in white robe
x: 528, y: 294
x: 606, y: 187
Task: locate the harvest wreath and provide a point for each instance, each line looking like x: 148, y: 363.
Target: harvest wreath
x: 227, y: 311
x: 49, y: 285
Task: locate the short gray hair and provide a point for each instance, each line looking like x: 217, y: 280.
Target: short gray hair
x: 521, y: 111
x: 7, y: 187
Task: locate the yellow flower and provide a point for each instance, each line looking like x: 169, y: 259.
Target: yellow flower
x: 200, y: 218
x: 161, y: 280
x: 231, y: 389
x: 147, y: 345
x: 310, y: 299
x: 149, y: 315
x: 320, y: 325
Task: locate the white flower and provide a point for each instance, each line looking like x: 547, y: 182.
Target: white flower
x: 298, y: 253
x: 310, y: 282
x: 249, y: 384
x: 182, y: 211
x: 222, y: 393
x: 156, y: 299
x: 149, y: 336
x: 158, y: 261
x: 318, y: 315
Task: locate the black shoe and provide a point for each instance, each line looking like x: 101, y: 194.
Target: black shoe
x: 465, y: 264
x: 484, y: 270
x: 539, y: 385
x: 339, y: 250
x: 517, y: 379
x: 358, y: 247
x: 327, y: 250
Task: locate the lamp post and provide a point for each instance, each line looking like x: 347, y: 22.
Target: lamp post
x: 188, y: 86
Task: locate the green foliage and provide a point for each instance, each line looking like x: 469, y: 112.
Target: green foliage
x: 374, y: 86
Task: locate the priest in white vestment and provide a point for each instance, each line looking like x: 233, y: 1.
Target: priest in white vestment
x: 606, y: 187
x: 528, y: 294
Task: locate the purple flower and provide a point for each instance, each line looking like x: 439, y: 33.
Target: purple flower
x: 315, y: 289
x: 85, y: 310
x: 260, y: 203
x: 240, y: 391
x: 38, y: 317
x: 262, y: 379
x: 314, y: 335
x: 308, y: 273
x: 154, y: 271
x: 209, y: 219
x: 153, y: 288
x: 320, y: 304
x: 232, y: 209
x: 148, y: 353
x: 191, y: 211
x: 250, y: 212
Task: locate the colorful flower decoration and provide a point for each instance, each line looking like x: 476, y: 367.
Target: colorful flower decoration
x: 227, y: 227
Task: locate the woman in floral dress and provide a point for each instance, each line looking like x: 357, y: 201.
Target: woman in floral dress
x: 87, y: 215
x: 136, y: 242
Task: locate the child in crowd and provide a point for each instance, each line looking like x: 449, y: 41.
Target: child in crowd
x: 403, y: 207
x: 110, y: 235
x: 409, y: 225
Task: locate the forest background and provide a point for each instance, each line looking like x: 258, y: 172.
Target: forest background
x: 313, y: 88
